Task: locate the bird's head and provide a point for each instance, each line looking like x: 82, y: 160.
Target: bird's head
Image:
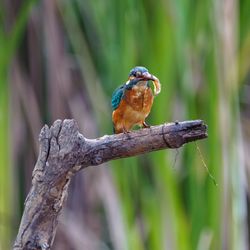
x: 140, y: 74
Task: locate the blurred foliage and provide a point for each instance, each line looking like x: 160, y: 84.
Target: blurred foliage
x: 64, y: 58
x: 9, y: 42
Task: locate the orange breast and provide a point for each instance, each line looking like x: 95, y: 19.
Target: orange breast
x: 133, y: 108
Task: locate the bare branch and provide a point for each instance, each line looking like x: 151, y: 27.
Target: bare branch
x: 64, y: 151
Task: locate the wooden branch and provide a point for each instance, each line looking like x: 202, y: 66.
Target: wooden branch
x: 64, y: 151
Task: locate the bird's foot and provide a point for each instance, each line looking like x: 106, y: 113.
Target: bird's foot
x: 125, y: 131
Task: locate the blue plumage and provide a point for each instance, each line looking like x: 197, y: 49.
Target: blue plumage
x: 117, y: 96
x: 136, y: 69
x: 119, y: 92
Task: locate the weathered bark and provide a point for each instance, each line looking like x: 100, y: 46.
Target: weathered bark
x: 64, y: 151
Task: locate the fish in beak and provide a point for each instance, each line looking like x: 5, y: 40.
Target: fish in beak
x: 155, y: 80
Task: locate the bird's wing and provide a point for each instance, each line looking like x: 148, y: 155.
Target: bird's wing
x: 117, y: 96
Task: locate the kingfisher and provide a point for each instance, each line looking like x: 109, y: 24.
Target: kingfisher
x: 132, y: 101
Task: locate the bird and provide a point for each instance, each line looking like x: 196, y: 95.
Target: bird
x: 132, y: 101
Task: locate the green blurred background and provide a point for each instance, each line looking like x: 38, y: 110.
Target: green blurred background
x: 63, y: 59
